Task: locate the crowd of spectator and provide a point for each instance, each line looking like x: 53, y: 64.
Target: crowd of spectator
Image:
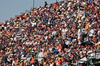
x: 59, y: 34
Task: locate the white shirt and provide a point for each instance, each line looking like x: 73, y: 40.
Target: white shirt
x: 13, y: 63
x: 91, y: 32
x: 41, y: 54
x: 67, y: 42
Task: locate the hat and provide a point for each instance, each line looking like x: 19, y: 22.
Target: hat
x: 98, y: 20
x: 94, y: 38
x: 72, y: 56
x: 75, y: 50
x: 59, y: 58
x: 77, y: 17
x: 44, y: 63
x: 51, y: 60
x: 21, y: 52
x: 66, y: 51
x: 30, y: 48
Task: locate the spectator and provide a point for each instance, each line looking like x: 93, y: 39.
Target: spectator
x: 63, y: 33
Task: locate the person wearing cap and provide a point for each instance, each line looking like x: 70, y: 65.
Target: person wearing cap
x: 40, y: 56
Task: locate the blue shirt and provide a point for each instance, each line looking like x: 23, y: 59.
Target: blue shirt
x: 55, y: 52
x: 91, y: 1
x: 65, y: 64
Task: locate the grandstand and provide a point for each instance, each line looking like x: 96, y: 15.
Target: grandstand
x: 65, y: 33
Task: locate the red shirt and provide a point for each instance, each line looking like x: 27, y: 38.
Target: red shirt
x: 60, y: 47
x: 60, y: 62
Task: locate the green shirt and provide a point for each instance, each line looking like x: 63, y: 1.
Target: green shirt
x: 90, y: 59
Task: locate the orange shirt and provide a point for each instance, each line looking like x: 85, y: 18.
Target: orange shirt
x: 55, y: 6
x: 98, y: 47
x: 21, y: 64
x: 25, y: 16
x: 60, y: 47
x: 33, y: 60
x: 31, y: 12
x: 87, y: 26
